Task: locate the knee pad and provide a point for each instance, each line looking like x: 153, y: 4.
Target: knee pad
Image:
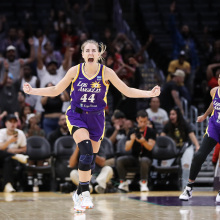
x: 86, y: 155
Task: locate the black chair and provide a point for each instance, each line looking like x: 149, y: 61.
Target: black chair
x: 38, y: 148
x: 63, y: 149
x: 109, y: 150
x: 120, y: 147
x: 165, y: 176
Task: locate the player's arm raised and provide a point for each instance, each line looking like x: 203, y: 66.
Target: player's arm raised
x: 128, y: 91
x: 53, y: 90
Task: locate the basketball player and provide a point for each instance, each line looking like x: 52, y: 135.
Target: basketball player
x: 211, y: 138
x: 85, y: 115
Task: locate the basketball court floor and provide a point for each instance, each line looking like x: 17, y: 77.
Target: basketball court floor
x: 136, y: 205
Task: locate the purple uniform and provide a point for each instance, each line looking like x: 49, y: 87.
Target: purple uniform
x: 213, y: 129
x: 88, y: 100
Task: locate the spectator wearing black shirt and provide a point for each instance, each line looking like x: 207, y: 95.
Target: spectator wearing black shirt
x: 53, y: 109
x: 140, y: 141
x: 62, y: 130
x: 183, y: 135
x: 170, y: 95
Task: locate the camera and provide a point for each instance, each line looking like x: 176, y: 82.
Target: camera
x: 137, y: 133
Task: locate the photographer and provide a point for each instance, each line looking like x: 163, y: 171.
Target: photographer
x: 140, y: 141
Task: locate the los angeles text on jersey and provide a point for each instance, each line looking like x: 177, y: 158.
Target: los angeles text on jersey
x: 84, y: 88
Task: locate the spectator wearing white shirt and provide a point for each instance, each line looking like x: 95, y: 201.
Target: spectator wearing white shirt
x: 12, y: 140
x: 51, y: 72
x: 156, y: 114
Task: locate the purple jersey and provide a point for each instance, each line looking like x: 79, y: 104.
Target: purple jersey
x: 89, y: 94
x: 216, y: 112
x: 213, y: 130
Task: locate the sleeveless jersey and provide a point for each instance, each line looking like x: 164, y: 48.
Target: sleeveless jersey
x: 216, y: 104
x: 89, y: 94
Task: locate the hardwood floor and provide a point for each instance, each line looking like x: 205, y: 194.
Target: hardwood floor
x: 136, y: 205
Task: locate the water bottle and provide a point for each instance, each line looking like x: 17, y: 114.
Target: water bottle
x: 35, y: 187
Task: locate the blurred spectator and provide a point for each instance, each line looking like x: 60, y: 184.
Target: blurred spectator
x: 170, y: 95
x: 214, y: 56
x: 21, y: 100
x: 51, y: 54
x: 183, y: 40
x: 116, y: 132
x: 32, y: 128
x: 27, y: 109
x: 183, y: 135
x: 4, y: 157
x: 101, y: 174
x: 62, y: 130
x: 51, y: 73
x: 16, y: 38
x: 140, y: 141
x: 28, y: 76
x: 52, y: 110
x: 179, y: 63
x: 39, y: 40
x: 107, y: 38
x: 13, y: 141
x: 2, y: 116
x: 212, y: 74
x: 15, y: 64
x: 9, y: 92
x: 156, y: 114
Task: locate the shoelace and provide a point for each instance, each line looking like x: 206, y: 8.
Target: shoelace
x: 186, y: 192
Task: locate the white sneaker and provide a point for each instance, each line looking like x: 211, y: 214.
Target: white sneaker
x: 187, y: 194
x: 21, y: 158
x: 77, y: 203
x: 143, y: 186
x: 86, y: 200
x: 99, y: 189
x: 30, y: 181
x: 124, y: 186
x: 218, y: 197
x: 9, y: 188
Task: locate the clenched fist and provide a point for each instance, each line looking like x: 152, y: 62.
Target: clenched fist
x: 155, y: 91
x: 27, y: 88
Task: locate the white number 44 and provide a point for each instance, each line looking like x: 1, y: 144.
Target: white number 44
x: 91, y: 98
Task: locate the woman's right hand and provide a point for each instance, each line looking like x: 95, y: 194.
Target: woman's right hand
x: 27, y: 88
x: 201, y: 118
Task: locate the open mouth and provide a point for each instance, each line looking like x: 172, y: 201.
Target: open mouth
x: 90, y: 60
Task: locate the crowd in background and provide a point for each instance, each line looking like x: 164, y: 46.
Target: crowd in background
x: 42, y: 56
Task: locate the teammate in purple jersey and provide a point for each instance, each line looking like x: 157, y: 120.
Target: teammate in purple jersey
x: 211, y: 137
x: 85, y: 115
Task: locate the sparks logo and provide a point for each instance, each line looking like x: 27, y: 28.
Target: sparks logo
x: 95, y: 85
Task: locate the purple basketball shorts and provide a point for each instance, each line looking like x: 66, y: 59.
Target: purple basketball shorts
x: 213, y: 130
x: 94, y: 122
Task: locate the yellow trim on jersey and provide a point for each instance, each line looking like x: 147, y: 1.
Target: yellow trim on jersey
x: 103, y: 78
x: 212, y: 100
x: 70, y: 127
x: 92, y: 76
x: 105, y: 96
x: 103, y: 129
x: 106, y: 84
x: 72, y: 88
